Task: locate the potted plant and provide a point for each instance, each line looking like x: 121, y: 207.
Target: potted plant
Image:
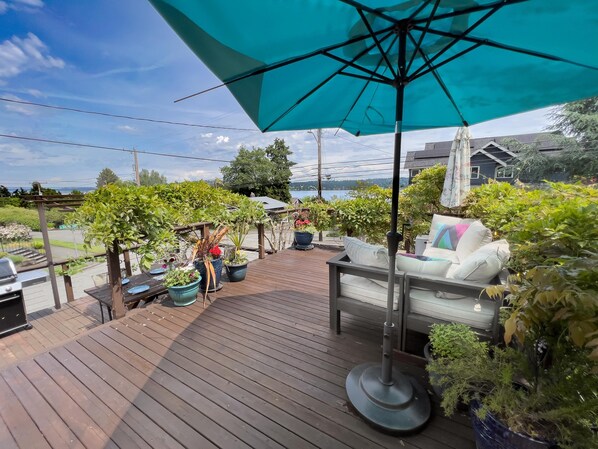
x: 541, y: 390
x: 304, y: 231
x: 450, y: 342
x: 207, y: 258
x: 236, y: 260
x: 182, y: 284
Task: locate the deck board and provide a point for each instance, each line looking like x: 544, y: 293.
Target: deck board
x: 257, y: 368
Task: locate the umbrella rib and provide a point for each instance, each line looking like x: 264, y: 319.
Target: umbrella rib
x: 377, y: 42
x: 308, y: 94
x: 363, y: 89
x: 442, y: 85
x: 374, y: 11
x: 418, y: 10
x: 422, y: 35
x: 286, y: 62
x: 448, y: 15
x: 500, y: 46
x: 446, y: 61
x: 460, y: 37
x: 358, y: 67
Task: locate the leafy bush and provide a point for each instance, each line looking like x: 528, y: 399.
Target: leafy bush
x: 542, y: 225
x: 130, y: 216
x: 366, y: 214
x: 320, y: 214
x: 10, y: 201
x: 14, y: 232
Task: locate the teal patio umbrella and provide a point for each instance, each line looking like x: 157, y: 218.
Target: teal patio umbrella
x: 391, y: 66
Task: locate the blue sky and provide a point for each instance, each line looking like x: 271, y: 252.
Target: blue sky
x: 120, y: 57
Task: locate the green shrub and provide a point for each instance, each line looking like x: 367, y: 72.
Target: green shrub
x: 27, y: 217
x: 320, y: 214
x: 366, y: 214
x: 30, y: 217
x: 542, y: 225
x: 10, y: 201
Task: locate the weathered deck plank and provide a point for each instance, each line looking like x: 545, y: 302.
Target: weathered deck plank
x: 258, y: 368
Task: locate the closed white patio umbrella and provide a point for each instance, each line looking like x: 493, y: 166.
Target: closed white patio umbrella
x: 457, y: 181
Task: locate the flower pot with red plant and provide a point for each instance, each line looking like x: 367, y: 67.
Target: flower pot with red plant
x: 304, y: 234
x: 207, y: 258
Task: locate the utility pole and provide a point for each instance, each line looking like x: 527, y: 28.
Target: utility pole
x: 318, y: 137
x: 137, y: 180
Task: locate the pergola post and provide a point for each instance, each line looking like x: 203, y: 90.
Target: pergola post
x: 118, y: 304
x: 44, y: 228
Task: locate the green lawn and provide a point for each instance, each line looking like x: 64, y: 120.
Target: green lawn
x: 71, y: 245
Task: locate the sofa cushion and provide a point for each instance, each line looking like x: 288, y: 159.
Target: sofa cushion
x: 484, y: 263
x: 464, y: 310
x: 411, y: 263
x: 365, y: 290
x: 366, y: 254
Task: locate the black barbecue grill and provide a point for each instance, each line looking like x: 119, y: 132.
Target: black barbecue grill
x: 13, y: 316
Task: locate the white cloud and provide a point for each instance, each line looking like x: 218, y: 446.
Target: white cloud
x: 18, y: 155
x: 207, y: 135
x: 36, y: 93
x: 222, y: 139
x: 17, y: 107
x: 18, y: 55
x: 21, y: 5
x: 126, y: 128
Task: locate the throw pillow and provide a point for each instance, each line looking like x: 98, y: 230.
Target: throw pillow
x: 422, y: 264
x: 366, y: 254
x: 484, y: 263
x: 476, y: 236
x: 448, y: 236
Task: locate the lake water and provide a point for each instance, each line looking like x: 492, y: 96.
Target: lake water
x: 326, y: 194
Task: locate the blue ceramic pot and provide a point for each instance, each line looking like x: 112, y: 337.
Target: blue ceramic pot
x: 303, y: 239
x: 492, y: 434
x: 236, y: 273
x: 214, y: 283
x: 185, y: 294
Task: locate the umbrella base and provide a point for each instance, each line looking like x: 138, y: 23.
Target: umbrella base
x: 403, y: 407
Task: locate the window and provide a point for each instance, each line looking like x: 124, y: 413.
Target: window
x: 504, y: 172
x: 415, y: 171
x: 475, y: 171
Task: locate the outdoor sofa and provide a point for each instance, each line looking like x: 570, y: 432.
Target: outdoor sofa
x: 446, y: 284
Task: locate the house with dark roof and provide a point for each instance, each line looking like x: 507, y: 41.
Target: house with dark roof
x: 491, y: 157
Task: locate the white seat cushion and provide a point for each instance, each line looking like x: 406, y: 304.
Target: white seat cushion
x: 425, y: 302
x: 365, y: 290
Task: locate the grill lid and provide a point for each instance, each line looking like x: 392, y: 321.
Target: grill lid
x: 8, y: 272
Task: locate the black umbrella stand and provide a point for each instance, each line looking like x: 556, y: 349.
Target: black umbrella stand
x: 387, y: 399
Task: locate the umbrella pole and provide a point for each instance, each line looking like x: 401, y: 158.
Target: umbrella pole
x: 390, y: 401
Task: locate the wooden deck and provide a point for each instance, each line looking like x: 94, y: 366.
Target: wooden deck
x: 51, y: 327
x: 258, y: 368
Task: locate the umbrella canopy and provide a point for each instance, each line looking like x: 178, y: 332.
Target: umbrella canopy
x: 458, y: 172
x: 304, y: 64
x: 313, y: 63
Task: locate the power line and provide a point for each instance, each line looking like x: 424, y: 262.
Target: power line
x: 128, y: 117
x: 101, y: 147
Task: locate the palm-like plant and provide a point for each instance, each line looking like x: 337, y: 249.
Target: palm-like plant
x: 206, y: 249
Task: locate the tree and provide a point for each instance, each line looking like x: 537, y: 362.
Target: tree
x: 106, y: 176
x: 264, y: 172
x: 250, y: 172
x: 579, y: 119
x: 278, y: 153
x: 153, y: 178
x: 4, y: 192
